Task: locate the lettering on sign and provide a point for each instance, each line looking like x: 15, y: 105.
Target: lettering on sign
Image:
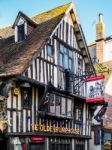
x: 44, y: 128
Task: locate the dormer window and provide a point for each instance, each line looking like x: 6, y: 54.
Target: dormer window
x: 21, y: 32
x: 23, y: 26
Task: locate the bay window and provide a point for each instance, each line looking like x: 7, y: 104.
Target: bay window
x: 60, y: 106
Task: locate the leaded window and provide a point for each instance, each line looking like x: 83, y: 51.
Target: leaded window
x: 21, y: 32
x: 50, y: 50
x: 26, y: 97
x: 59, y: 105
x: 65, y: 57
x: 78, y: 111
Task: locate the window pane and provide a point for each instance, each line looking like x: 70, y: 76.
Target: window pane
x: 70, y: 53
x: 66, y: 62
x: 78, y: 111
x: 69, y: 108
x: 21, y: 32
x: 65, y: 50
x: 61, y: 59
x: 50, y: 50
x: 70, y: 64
x: 26, y: 97
x: 57, y: 103
x: 80, y: 62
x: 61, y: 48
x: 63, y: 106
x: 52, y: 103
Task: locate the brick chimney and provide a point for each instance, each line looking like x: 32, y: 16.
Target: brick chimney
x: 100, y: 43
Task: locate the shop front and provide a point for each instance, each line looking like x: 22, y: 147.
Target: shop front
x: 54, y: 134
x: 46, y: 143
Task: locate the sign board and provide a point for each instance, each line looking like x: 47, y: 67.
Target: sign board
x: 95, y: 89
x: 53, y: 129
x: 39, y: 139
x: 16, y: 91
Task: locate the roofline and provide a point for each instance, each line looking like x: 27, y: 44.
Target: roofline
x: 51, y: 9
x: 91, y: 44
x: 94, y: 43
x: 83, y: 39
x: 26, y: 17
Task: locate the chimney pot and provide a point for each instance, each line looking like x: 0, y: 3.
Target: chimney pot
x: 100, y: 18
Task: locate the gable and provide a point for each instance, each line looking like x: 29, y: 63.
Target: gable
x: 43, y: 68
x: 25, y: 51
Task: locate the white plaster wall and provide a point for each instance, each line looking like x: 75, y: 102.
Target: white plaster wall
x: 108, y: 51
x: 92, y: 51
x: 91, y: 144
x: 108, y: 88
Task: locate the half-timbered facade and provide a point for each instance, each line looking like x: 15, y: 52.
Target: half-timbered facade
x: 44, y: 61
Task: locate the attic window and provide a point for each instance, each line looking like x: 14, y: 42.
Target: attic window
x: 21, y: 32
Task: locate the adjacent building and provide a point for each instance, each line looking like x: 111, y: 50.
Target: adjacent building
x: 101, y: 55
x: 44, y: 61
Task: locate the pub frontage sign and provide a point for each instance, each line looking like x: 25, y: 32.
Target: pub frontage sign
x: 53, y: 129
x: 95, y: 89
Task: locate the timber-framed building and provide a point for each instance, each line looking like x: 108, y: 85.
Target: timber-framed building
x: 43, y: 61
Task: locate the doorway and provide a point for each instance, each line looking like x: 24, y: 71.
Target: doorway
x: 3, y: 144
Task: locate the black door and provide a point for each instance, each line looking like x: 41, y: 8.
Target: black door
x: 3, y: 145
x: 37, y: 146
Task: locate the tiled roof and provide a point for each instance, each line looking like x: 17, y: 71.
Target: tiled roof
x: 45, y: 16
x: 6, y: 32
x: 91, y: 44
x: 15, y: 57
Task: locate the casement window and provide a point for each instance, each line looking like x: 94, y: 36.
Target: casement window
x: 65, y: 57
x: 69, y: 108
x: 50, y: 51
x: 54, y: 104
x: 63, y: 106
x: 60, y: 105
x: 21, y: 32
x: 78, y: 111
x: 26, y: 95
x: 80, y: 63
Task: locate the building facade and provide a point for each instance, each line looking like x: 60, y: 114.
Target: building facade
x: 101, y: 55
x: 42, y: 88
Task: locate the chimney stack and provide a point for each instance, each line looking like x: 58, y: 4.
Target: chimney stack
x: 100, y: 36
x: 100, y: 18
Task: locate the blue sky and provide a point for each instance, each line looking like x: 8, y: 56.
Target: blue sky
x: 87, y: 11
